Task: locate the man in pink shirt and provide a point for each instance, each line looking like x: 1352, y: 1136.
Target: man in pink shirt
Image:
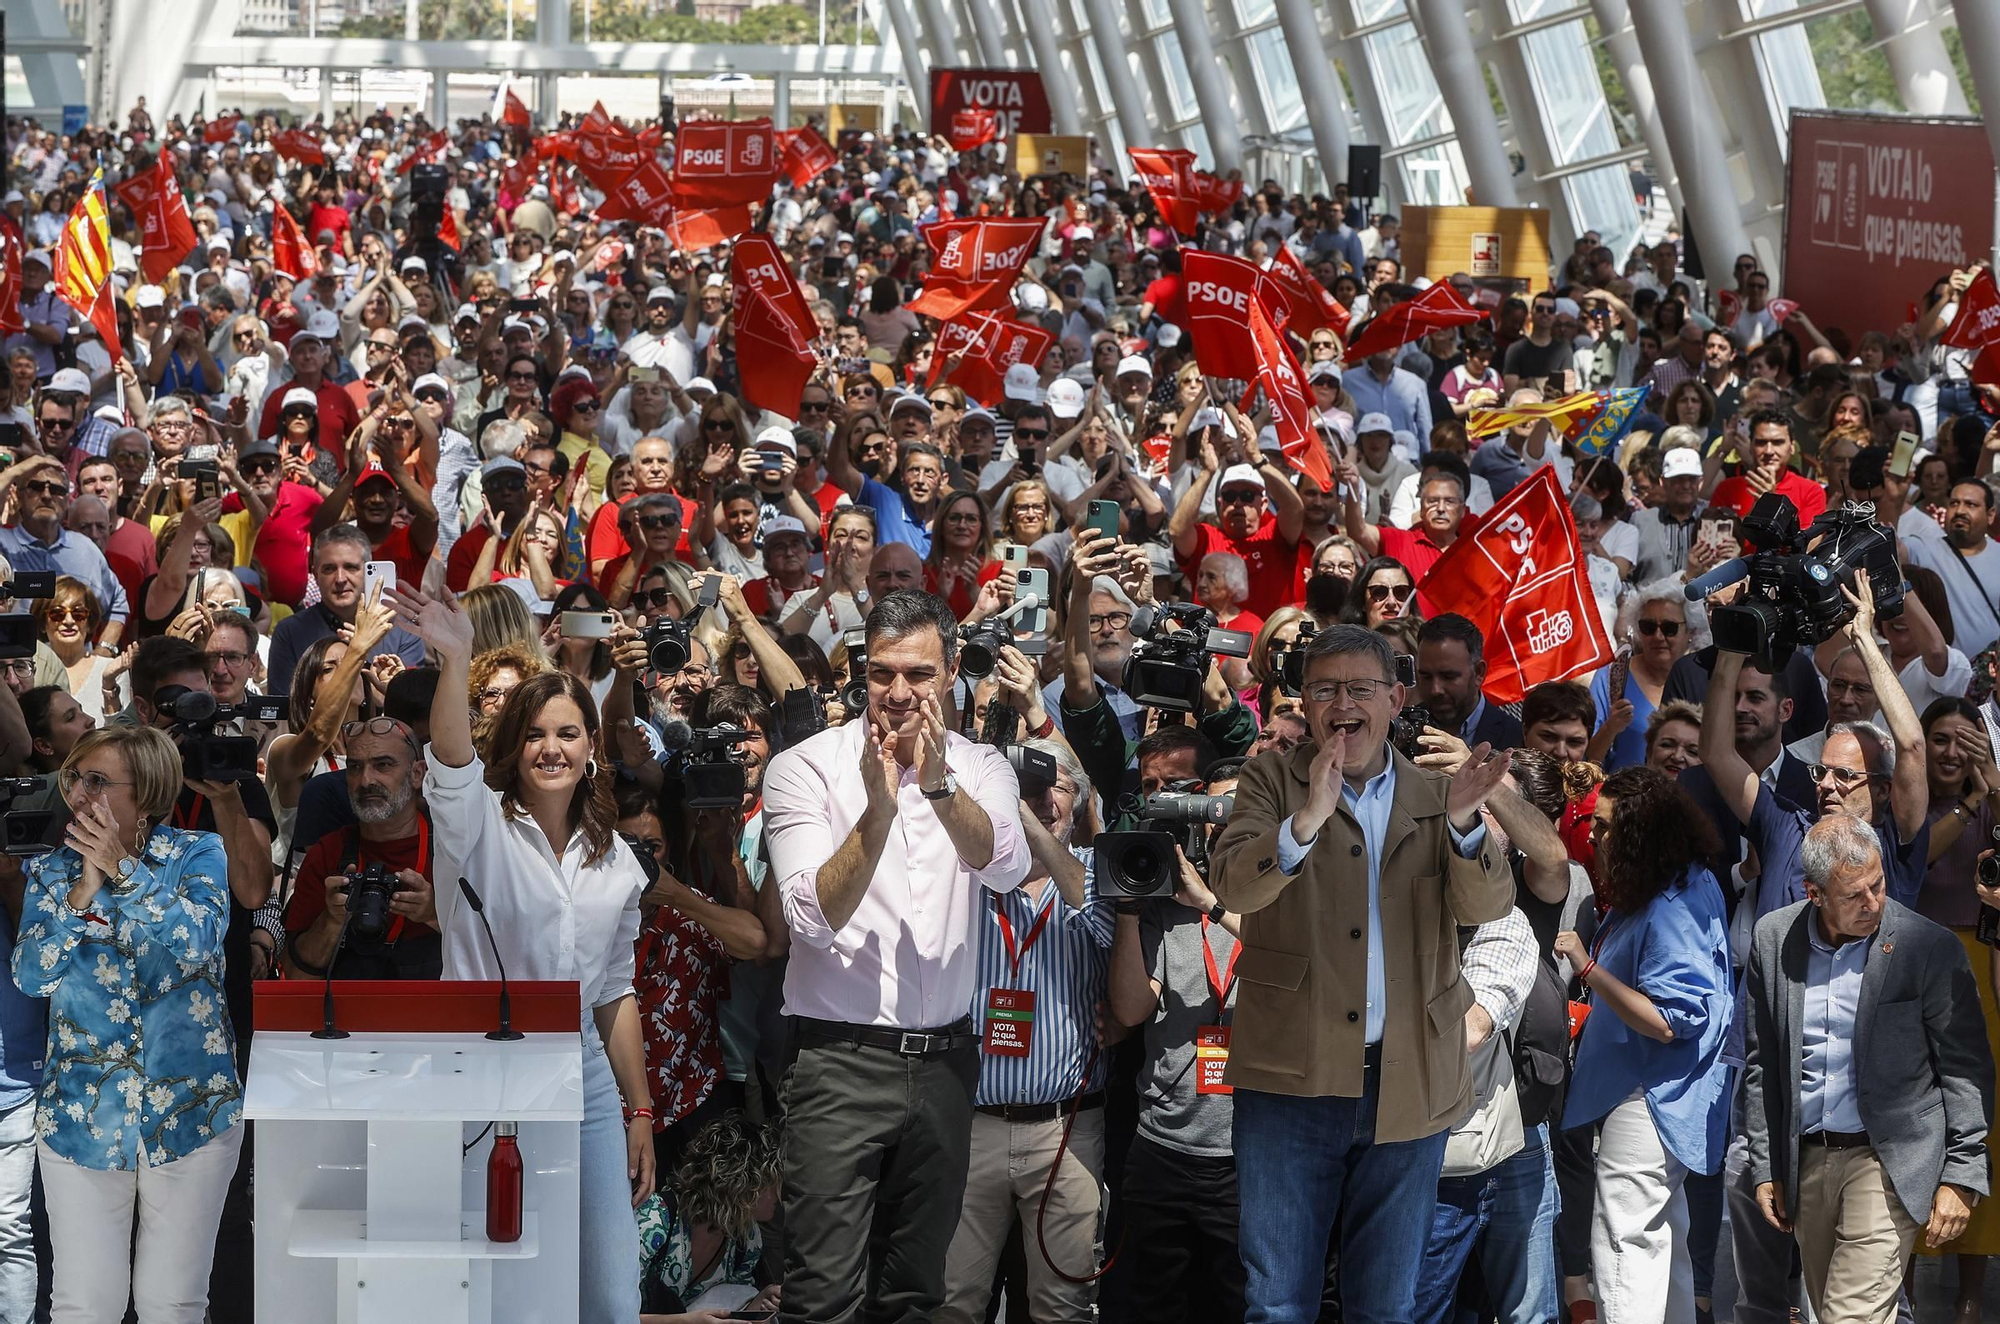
x: 885, y: 835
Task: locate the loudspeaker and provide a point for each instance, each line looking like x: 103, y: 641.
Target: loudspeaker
x: 1364, y: 171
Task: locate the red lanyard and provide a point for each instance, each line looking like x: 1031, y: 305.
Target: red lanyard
x: 189, y: 820
x: 1034, y: 930
x: 1220, y: 982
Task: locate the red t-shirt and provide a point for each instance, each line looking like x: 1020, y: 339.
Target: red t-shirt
x: 1413, y: 547
x: 337, y: 417
x: 133, y: 553
x: 464, y: 552
x: 401, y: 548
x: 1737, y: 495
x: 1266, y: 555
x: 767, y: 600
x: 283, y: 544
x: 1247, y: 621
x: 605, y: 540
x: 308, y: 901
x: 963, y: 595
x: 1169, y: 300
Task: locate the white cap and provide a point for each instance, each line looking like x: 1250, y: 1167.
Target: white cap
x: 1374, y: 423
x: 1267, y: 438
x: 111, y: 414
x: 1031, y: 298
x: 562, y: 255
x: 415, y: 320
x: 1065, y: 398
x: 40, y: 255
x: 429, y: 380
x: 13, y: 195
x: 69, y: 381
x: 780, y: 438
x: 218, y: 242
x: 1022, y: 383
x: 1240, y: 473
x: 659, y: 294
x: 323, y: 325
x: 1324, y: 370
x: 1132, y: 363
x: 975, y: 411
x: 1082, y: 234
x: 715, y: 281
x: 778, y: 524
x: 412, y: 263
x: 299, y: 395
x: 700, y: 385
x: 467, y: 310
x: 909, y: 402
x: 1206, y: 417
x: 1169, y: 336
x: 520, y: 322
x: 1680, y: 462
x: 150, y: 296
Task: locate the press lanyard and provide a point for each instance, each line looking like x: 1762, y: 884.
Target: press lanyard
x: 1220, y: 982
x: 1034, y: 932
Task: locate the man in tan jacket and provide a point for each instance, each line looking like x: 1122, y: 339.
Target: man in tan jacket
x: 1352, y: 868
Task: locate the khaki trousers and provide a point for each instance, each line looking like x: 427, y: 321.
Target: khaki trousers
x: 1010, y: 1165
x: 1854, y: 1235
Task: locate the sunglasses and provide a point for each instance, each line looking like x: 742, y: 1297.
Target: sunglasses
x: 47, y: 489
x: 58, y: 424
x: 432, y: 396
x: 1241, y: 496
x: 1031, y: 434
x: 291, y: 415
x: 942, y: 404
x: 585, y: 407
x: 1666, y: 628
x: 77, y: 613
x: 251, y: 467
x: 657, y: 521
x: 814, y: 406
x: 718, y: 425
x: 1819, y: 772
x: 656, y: 598
x: 1383, y: 592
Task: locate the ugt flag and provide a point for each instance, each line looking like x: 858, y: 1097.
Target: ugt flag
x: 1520, y: 578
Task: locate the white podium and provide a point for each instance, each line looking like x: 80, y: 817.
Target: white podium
x: 369, y: 1209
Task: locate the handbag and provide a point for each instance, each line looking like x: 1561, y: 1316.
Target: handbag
x: 1491, y: 1133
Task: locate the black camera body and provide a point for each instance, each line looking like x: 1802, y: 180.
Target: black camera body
x: 711, y: 778
x: 802, y: 713
x: 1406, y: 726
x: 668, y: 645
x: 1794, y: 596
x: 1035, y: 770
x: 1289, y: 662
x: 20, y: 632
x: 368, y: 895
x: 979, y: 645
x: 1176, y: 643
x: 1141, y: 864
x: 854, y: 694
x: 26, y: 832
x: 206, y: 753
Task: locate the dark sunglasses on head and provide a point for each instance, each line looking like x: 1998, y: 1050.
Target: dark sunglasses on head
x: 1667, y: 628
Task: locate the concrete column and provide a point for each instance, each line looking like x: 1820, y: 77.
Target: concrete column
x: 326, y: 96
x: 916, y: 62
x: 1125, y: 98
x: 1211, y: 92
x: 1462, y: 82
x: 1616, y: 23
x: 781, y: 101
x: 410, y: 20
x: 1064, y: 103
x: 440, y: 111
x: 1693, y: 135
x: 1979, y: 30
x: 989, y: 32
x: 1531, y: 132
x: 941, y: 32
x: 1319, y: 86
x: 1915, y: 47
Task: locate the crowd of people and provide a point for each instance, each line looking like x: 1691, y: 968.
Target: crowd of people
x: 944, y: 948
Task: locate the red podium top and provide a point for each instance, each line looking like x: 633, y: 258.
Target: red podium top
x: 417, y: 1006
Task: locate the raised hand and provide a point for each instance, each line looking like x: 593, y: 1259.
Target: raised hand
x: 441, y: 623
x: 1475, y: 779
x: 880, y: 774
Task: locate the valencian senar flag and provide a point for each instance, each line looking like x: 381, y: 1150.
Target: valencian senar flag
x: 83, y: 264
x: 1594, y: 420
x: 1599, y: 431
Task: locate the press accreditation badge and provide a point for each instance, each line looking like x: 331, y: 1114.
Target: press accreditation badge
x: 1010, y: 1022
x: 1211, y: 1059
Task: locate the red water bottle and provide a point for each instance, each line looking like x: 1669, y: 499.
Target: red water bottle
x: 503, y: 1185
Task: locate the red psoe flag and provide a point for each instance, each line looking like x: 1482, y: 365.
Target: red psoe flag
x: 166, y: 233
x: 1284, y: 384
x: 1520, y: 578
x: 723, y: 163
x: 1977, y: 326
x: 989, y: 343
x: 608, y: 156
x: 83, y: 264
x: 220, y: 130
x: 298, y: 145
x: 1438, y: 306
x: 1308, y: 306
x: 1168, y: 174
x: 774, y: 326
x: 644, y: 195
x: 976, y: 264
x: 12, y: 250
x: 804, y: 155
x: 691, y: 229
x: 513, y: 112
x: 431, y: 149
x: 448, y: 229
x: 291, y: 255
x: 1220, y: 291
x: 972, y: 129
x: 1215, y: 195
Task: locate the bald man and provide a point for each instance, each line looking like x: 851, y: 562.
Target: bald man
x: 895, y: 565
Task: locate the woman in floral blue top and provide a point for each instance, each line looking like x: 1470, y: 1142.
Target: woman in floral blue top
x: 699, y: 1232
x: 122, y: 932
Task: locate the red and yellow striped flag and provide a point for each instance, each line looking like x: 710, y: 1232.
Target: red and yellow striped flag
x: 83, y: 264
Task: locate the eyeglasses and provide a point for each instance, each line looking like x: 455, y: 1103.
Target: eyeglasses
x: 1110, y: 620
x: 1383, y: 592
x: 1024, y: 508
x: 492, y: 694
x: 430, y: 395
x: 653, y: 597
x: 1241, y: 496
x: 298, y: 412
x: 1835, y: 688
x: 93, y: 783
x: 379, y: 726
x: 47, y: 489
x: 58, y: 612
x: 251, y: 468
x: 657, y: 521
x: 506, y: 482
x: 1326, y: 691
x: 1819, y: 772
x: 376, y: 345
x: 231, y: 659
x: 943, y: 404
x: 962, y: 517
x: 814, y: 406
x: 395, y: 424
x: 1668, y: 629
x: 717, y: 425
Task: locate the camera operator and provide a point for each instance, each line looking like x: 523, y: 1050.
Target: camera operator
x: 1385, y: 1064
x: 1043, y: 952
x: 385, y: 772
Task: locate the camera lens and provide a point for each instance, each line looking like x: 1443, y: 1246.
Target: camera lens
x: 1989, y: 871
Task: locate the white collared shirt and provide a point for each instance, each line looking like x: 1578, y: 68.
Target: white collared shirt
x: 907, y: 956
x: 551, y: 919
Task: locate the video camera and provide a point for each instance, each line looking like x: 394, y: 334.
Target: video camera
x: 1035, y: 770
x: 1795, y: 579
x: 711, y: 778
x: 802, y: 713
x: 207, y: 754
x: 1141, y: 863
x: 26, y: 831
x: 19, y: 632
x: 1176, y: 643
x: 1289, y: 662
x: 854, y: 694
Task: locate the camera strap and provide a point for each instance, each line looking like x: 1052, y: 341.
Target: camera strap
x: 350, y: 856
x: 1977, y: 587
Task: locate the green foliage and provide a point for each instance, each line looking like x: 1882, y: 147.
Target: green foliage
x: 1852, y: 77
x: 766, y: 25
x: 1624, y: 120
x: 1954, y: 45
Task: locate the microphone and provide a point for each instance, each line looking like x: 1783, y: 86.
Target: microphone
x: 676, y: 734
x: 1722, y: 576
x: 506, y: 1030
x: 327, y: 1029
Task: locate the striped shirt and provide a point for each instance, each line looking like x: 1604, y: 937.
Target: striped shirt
x: 1067, y: 968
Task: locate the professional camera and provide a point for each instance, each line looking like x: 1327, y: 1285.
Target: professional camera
x: 979, y: 645
x: 1035, y: 770
x: 1795, y: 579
x: 19, y: 632
x: 1141, y: 863
x: 1176, y: 643
x: 206, y: 753
x: 802, y: 713
x: 667, y: 645
x: 854, y: 694
x: 1406, y: 726
x: 711, y: 778
x: 368, y: 894
x: 26, y: 831
x: 1289, y: 662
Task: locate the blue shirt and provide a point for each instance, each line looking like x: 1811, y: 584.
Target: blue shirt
x: 69, y: 554
x: 24, y: 1034
x: 1675, y: 952
x: 1405, y: 398
x: 1628, y: 749
x: 141, y: 1050
x: 1067, y: 968
x: 304, y: 628
x: 893, y: 520
x: 1828, y: 1097
x: 1370, y: 808
x: 1131, y: 717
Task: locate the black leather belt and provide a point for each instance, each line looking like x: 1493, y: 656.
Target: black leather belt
x: 1836, y: 1139
x: 1040, y: 1112
x: 909, y: 1043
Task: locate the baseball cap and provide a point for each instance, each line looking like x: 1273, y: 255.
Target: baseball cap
x: 1132, y: 363
x: 255, y: 449
x: 1374, y: 423
x: 40, y: 255
x: 778, y: 438
x: 300, y: 396
x: 149, y: 296
x: 1169, y: 336
x: 700, y: 386
x: 505, y: 464
x: 1022, y: 383
x: 975, y: 411
x: 779, y: 524
x: 429, y: 380
x: 1083, y: 234
x: 371, y: 473
x: 69, y: 381
x: 1240, y: 474
x: 413, y: 322
x: 909, y: 402
x: 1206, y: 417
x: 322, y: 325
x: 467, y: 312
x: 517, y: 323
x: 659, y: 294
x: 1031, y: 298
x: 1065, y: 398
x: 1680, y: 462
x: 1324, y: 370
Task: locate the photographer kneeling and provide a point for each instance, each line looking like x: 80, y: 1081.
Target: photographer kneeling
x: 373, y: 878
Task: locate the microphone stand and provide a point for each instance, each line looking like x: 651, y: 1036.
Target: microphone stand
x: 327, y: 1029
x: 506, y: 1031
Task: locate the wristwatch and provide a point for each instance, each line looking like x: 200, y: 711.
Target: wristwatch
x: 126, y: 867
x: 945, y: 791
x: 1216, y: 912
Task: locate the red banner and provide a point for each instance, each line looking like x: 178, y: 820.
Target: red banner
x: 972, y: 129
x: 1520, y: 578
x: 166, y: 234
x: 1284, y: 384
x: 721, y: 163
x: 976, y: 264
x: 1214, y: 194
x: 1168, y: 174
x: 1977, y: 326
x: 985, y: 346
x: 1308, y: 306
x: 220, y: 130
x: 291, y: 255
x: 1019, y: 102
x: 1876, y: 208
x: 448, y: 229
x: 804, y: 155
x: 692, y: 229
x: 514, y: 112
x: 1220, y: 291
x: 12, y: 250
x: 298, y: 145
x: 644, y: 195
x: 1438, y: 306
x: 429, y: 151
x: 774, y: 326
x: 605, y: 158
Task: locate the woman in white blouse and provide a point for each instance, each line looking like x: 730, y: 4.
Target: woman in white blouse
x: 536, y: 830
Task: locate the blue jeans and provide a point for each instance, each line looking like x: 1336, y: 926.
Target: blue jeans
x: 1305, y: 1164
x: 1464, y: 1210
x: 609, y: 1238
x: 1517, y: 1251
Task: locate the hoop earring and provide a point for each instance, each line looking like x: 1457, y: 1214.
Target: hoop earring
x: 590, y: 770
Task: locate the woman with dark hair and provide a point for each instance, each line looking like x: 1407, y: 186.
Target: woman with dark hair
x: 885, y: 321
x: 1383, y: 591
x: 961, y: 555
x: 536, y: 827
x: 1649, y: 1063
x: 700, y: 1233
x: 586, y: 657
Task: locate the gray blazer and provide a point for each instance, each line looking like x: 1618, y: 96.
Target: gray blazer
x: 1922, y: 1066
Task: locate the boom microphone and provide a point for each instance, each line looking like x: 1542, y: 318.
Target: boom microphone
x: 1729, y: 572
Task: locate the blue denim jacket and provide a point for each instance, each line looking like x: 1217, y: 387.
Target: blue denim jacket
x: 140, y: 1049
x: 1676, y: 952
